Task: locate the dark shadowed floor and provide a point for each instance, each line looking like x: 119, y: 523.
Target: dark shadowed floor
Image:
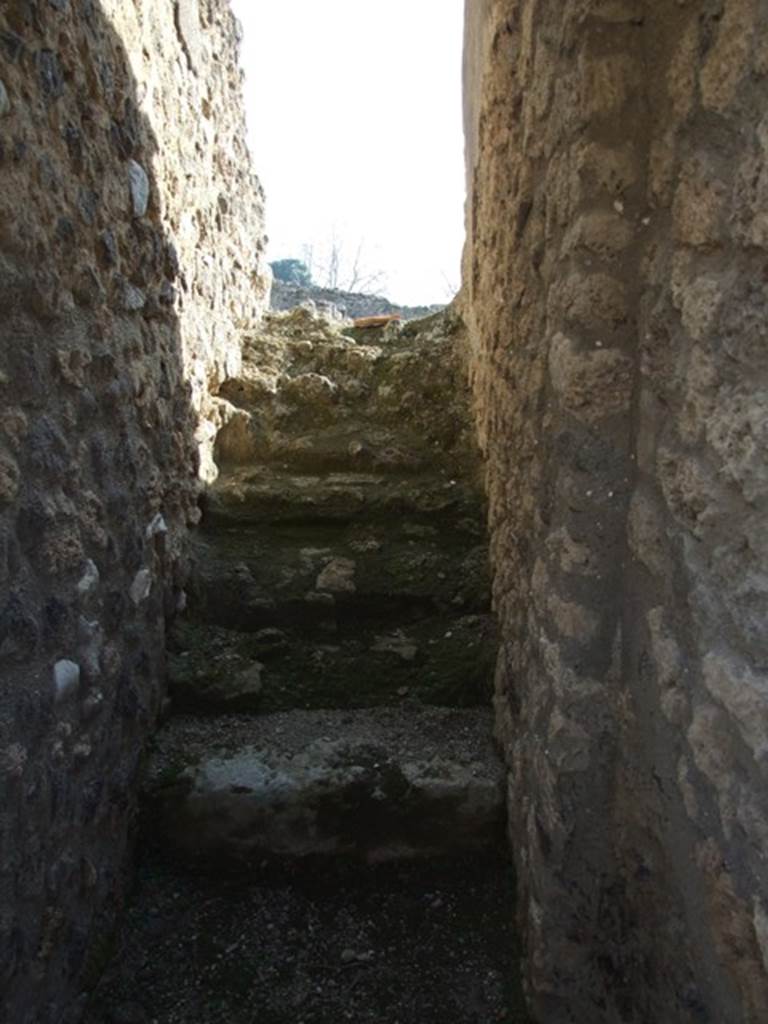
x: 394, y: 944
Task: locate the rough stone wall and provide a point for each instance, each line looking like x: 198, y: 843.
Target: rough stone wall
x: 615, y: 292
x: 130, y: 234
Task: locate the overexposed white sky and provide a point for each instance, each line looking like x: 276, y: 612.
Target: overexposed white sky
x: 354, y: 120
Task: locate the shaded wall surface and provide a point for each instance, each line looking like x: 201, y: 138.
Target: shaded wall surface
x: 130, y: 235
x: 615, y: 291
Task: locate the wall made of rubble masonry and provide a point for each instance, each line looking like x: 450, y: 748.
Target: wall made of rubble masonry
x: 130, y: 253
x: 616, y: 293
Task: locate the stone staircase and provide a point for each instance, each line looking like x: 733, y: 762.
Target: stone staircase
x: 330, y: 684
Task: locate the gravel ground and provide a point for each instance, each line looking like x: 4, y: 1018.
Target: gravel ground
x: 414, y: 943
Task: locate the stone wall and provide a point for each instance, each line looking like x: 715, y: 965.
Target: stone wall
x: 615, y: 291
x: 130, y: 237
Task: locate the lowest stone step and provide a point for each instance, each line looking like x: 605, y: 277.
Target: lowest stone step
x: 376, y: 784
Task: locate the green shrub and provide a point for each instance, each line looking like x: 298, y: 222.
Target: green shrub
x: 292, y: 272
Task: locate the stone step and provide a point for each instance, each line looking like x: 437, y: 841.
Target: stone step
x: 262, y: 496
x: 375, y: 785
x: 435, y: 660
x: 340, y: 445
x: 248, y: 578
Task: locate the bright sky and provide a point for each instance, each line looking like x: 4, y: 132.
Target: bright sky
x: 354, y: 115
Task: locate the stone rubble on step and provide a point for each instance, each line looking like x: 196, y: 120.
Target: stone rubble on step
x: 348, y: 517
x: 342, y: 564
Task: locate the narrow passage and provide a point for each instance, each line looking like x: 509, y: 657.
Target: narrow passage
x: 323, y: 826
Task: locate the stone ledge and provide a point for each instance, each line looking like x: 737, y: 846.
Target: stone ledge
x: 379, y: 784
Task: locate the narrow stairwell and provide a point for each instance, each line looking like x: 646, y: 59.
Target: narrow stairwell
x: 323, y: 834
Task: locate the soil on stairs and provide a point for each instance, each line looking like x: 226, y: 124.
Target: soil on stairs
x: 324, y: 809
